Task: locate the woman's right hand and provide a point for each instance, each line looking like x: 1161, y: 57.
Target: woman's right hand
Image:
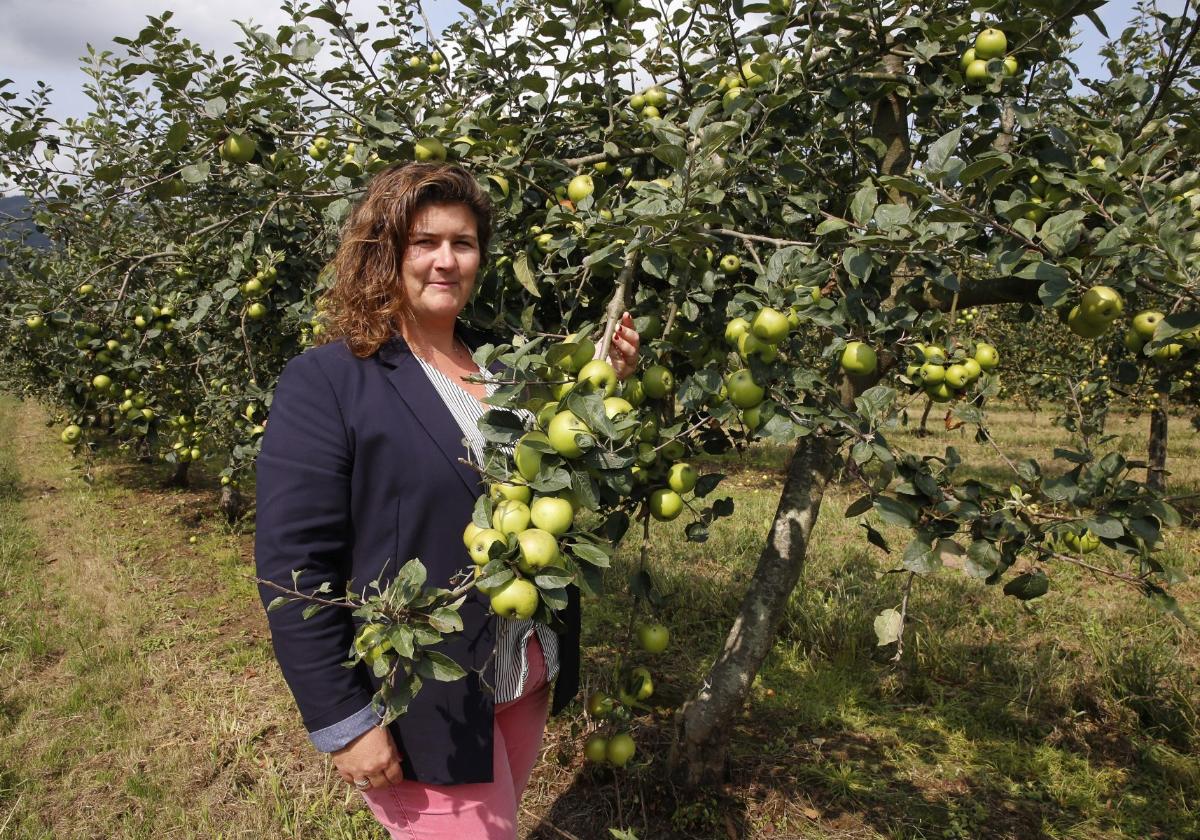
x: 372, y: 756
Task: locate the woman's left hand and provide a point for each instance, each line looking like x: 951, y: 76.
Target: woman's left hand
x: 623, y: 352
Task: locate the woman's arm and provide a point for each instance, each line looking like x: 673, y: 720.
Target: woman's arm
x: 303, y: 523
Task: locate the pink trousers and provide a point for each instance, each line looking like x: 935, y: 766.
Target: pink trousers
x: 487, y: 810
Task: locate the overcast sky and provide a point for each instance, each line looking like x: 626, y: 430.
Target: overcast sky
x: 44, y: 39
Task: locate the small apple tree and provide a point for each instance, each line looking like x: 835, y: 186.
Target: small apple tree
x: 799, y: 201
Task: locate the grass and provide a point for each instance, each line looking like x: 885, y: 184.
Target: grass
x: 138, y: 682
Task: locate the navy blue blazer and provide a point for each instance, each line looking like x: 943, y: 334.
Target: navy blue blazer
x: 359, y: 473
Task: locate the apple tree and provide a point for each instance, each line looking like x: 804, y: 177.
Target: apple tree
x: 801, y: 203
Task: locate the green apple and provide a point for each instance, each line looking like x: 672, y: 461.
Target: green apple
x: 545, y: 414
x: 581, y: 187
x: 599, y: 375
x: 977, y: 72
x: 674, y: 449
x: 941, y: 392
x: 990, y: 43
x: 731, y: 263
x: 238, y: 148
x: 637, y: 102
x: 637, y: 685
x: 656, y: 96
x: 517, y: 598
x: 1145, y: 323
x: 552, y: 515
x: 735, y: 329
x: 600, y: 704
x: 650, y: 113
x: 752, y: 417
x: 770, y: 325
x: 469, y: 533
x: 634, y: 391
x: 648, y: 433
x: 584, y: 351
x: 614, y: 407
x: 528, y: 459
x: 986, y: 356
x: 1167, y: 352
x: 665, y: 504
x: 933, y: 353
x: 1133, y: 341
x: 481, y: 545
x: 1098, y: 162
x: 510, y: 517
x: 544, y: 242
x: 510, y: 490
x: 653, y: 638
x: 71, y: 434
x: 658, y: 382
x: 967, y: 58
x: 564, y: 433
x: 620, y: 749
x: 1101, y: 303
x: 595, y: 749
x: 647, y: 454
x: 957, y: 376
x: 682, y: 478
x: 538, y: 549
x: 744, y: 392
x: 101, y: 382
x: 1011, y: 67
x: 1084, y: 543
x: 256, y: 311
x: 1083, y: 326
x: 429, y: 148
x: 974, y: 369
x: 858, y: 359
x: 751, y: 345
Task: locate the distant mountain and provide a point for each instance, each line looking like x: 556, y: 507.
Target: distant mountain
x: 17, y: 207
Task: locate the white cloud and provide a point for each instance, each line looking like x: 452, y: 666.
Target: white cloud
x: 43, y: 40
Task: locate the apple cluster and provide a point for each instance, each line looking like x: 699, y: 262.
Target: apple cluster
x: 945, y: 375
x: 514, y: 539
x: 650, y: 103
x: 990, y: 45
x: 611, y: 743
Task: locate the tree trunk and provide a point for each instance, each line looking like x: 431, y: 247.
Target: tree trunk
x: 702, y: 724
x: 232, y: 503
x: 179, y: 478
x: 1156, y: 471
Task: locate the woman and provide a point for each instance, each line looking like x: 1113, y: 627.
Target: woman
x: 360, y: 471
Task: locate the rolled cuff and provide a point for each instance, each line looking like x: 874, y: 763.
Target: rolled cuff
x: 337, y: 735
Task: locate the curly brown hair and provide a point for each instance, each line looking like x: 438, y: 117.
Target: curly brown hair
x: 367, y: 301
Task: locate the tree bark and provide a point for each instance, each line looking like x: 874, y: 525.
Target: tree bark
x: 179, y: 478
x: 703, y: 722
x: 232, y: 503
x: 1156, y: 470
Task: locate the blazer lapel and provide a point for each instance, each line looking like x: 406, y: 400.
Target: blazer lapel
x: 423, y: 400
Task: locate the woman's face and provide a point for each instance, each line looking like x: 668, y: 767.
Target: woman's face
x: 439, y: 265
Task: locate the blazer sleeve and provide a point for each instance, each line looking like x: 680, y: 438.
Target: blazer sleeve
x: 304, y: 523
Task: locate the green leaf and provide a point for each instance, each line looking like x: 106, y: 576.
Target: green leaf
x: 524, y: 274
x: 1028, y: 585
x: 446, y: 620
x: 888, y: 625
x: 862, y: 206
x: 438, y: 666
x: 895, y: 512
x: 177, y: 135
x: 919, y: 556
x: 277, y: 602
x: 859, y: 506
x: 831, y: 225
x: 195, y: 173
x: 940, y: 151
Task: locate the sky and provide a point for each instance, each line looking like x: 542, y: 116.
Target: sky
x: 44, y: 39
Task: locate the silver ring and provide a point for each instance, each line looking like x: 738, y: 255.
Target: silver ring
x: 363, y: 784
